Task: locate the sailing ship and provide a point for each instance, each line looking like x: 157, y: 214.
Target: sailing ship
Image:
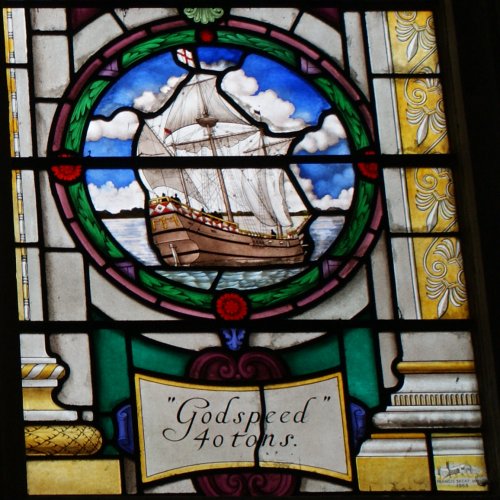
x: 210, y: 216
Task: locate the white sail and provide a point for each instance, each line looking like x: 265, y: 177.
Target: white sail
x: 198, y: 97
x: 267, y: 146
x: 195, y: 141
x: 264, y: 192
x: 200, y: 122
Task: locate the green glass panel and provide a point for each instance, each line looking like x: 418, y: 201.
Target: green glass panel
x: 154, y: 45
x: 272, y: 297
x: 254, y: 42
x: 314, y: 357
x: 167, y: 360
x: 348, y: 239
x: 348, y: 112
x: 176, y: 293
x: 107, y: 428
x: 362, y: 377
x: 110, y: 368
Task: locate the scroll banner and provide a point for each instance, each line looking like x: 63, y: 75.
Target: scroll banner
x: 186, y: 427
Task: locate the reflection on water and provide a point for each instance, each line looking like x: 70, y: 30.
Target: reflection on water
x: 248, y: 280
x: 132, y: 235
x: 324, y: 231
x: 196, y: 279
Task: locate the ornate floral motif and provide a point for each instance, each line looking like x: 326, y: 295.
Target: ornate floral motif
x: 256, y: 364
x: 417, y: 35
x: 204, y: 15
x: 435, y: 195
x: 68, y: 173
x: 369, y: 169
x: 425, y: 109
x: 445, y: 280
x: 231, y: 307
x: 234, y: 338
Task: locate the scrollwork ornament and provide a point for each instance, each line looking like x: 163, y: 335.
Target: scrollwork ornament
x: 445, y: 280
x: 425, y: 108
x: 204, y: 15
x: 417, y: 35
x: 435, y: 195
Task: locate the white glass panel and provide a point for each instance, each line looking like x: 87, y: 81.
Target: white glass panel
x: 65, y: 286
x: 378, y: 40
x: 136, y: 17
x: 283, y: 18
x: 406, y: 287
x: 194, y: 341
x: 322, y: 35
x: 27, y: 184
x: 54, y: 231
x: 17, y: 26
x: 395, y: 190
x: 345, y: 304
x: 388, y: 353
x: 381, y: 281
x: 51, y: 62
x: 73, y: 348
x: 44, y: 116
x: 91, y: 38
x: 48, y: 19
x: 388, y: 128
x: 355, y: 50
x: 23, y: 112
x: 442, y: 346
x: 116, y: 304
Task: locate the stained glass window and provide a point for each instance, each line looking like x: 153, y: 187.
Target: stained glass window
x: 238, y: 256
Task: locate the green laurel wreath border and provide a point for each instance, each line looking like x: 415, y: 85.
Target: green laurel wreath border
x: 180, y: 294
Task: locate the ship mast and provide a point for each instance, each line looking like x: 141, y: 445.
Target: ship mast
x: 264, y: 149
x: 209, y: 123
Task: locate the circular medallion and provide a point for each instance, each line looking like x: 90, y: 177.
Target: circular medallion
x: 240, y: 183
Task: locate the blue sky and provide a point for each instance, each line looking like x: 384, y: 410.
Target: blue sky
x: 153, y: 74
x: 150, y: 75
x: 119, y: 177
x: 308, y: 102
x: 328, y: 179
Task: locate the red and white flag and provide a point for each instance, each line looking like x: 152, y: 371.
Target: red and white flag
x: 186, y: 57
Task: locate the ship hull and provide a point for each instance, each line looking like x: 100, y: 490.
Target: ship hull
x: 194, y: 242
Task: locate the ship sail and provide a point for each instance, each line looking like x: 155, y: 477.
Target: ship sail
x: 263, y: 190
x: 199, y: 121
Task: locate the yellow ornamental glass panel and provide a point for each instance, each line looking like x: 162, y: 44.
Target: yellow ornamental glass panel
x: 431, y: 200
x: 413, y: 42
x: 440, y: 277
x: 421, y: 115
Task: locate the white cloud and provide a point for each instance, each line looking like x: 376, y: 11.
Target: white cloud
x: 216, y: 66
x: 328, y: 135
x: 123, y: 126
x: 324, y: 203
x: 345, y: 199
x: 109, y: 197
x: 149, y: 101
x: 273, y: 110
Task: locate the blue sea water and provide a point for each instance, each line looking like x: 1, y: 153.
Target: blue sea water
x: 132, y: 235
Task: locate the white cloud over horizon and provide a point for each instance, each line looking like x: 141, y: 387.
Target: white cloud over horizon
x: 109, y: 197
